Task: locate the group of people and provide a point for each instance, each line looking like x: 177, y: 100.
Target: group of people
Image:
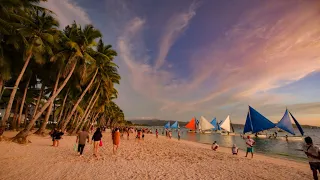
x: 235, y: 150
x: 83, y: 137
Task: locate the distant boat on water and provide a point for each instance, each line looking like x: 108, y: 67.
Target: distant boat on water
x: 175, y: 125
x: 192, y: 126
x: 285, y: 124
x: 205, y: 126
x: 227, y: 126
x: 256, y: 122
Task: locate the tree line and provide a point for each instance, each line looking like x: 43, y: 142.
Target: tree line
x: 43, y: 68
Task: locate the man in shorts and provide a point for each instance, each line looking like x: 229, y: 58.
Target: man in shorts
x: 313, y: 154
x: 249, y: 142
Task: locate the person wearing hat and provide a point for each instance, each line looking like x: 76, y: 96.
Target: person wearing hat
x: 234, y: 149
x: 249, y: 142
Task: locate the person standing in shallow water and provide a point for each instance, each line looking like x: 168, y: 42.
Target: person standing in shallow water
x: 116, y: 140
x: 96, y: 138
x: 81, y: 140
x: 313, y: 154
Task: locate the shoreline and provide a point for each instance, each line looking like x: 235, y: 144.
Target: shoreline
x: 150, y: 158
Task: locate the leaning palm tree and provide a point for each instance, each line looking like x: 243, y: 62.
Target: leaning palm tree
x: 37, y: 35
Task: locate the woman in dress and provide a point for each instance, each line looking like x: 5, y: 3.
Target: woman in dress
x: 116, y: 140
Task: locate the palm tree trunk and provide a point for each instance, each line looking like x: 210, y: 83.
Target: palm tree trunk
x: 84, y: 120
x: 49, y: 110
x: 79, y: 100
x: 86, y: 113
x: 62, y: 108
x: 68, y: 109
x: 22, y: 103
x: 26, y: 115
x: 15, y: 116
x: 38, y: 101
x: 1, y: 86
x: 24, y: 133
x: 14, y: 91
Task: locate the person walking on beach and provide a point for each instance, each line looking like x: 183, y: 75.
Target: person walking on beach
x: 234, y: 149
x: 313, y: 154
x: 52, y: 134
x: 81, y: 140
x: 116, y: 140
x: 170, y: 134
x: 249, y: 142
x: 157, y: 133
x: 128, y: 133
x: 57, y: 136
x: 96, y: 138
x: 214, y: 146
x: 179, y: 134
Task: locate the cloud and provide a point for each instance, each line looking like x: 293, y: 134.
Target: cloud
x: 174, y: 28
x: 262, y: 51
x: 67, y: 11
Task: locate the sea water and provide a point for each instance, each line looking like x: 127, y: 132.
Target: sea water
x: 272, y: 147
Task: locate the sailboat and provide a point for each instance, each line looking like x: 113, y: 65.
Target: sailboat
x: 285, y: 124
x: 227, y: 126
x: 204, y: 125
x: 175, y: 125
x: 167, y: 126
x: 216, y: 125
x: 256, y: 122
x: 191, y: 125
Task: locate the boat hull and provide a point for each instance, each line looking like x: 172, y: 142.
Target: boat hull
x: 226, y: 134
x: 191, y: 131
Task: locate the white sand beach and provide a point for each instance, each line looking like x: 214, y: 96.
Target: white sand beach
x: 151, y: 158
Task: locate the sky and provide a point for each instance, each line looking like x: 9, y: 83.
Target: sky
x: 184, y: 58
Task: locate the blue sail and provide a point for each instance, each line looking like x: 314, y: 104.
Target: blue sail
x: 175, y: 125
x: 285, y: 123
x: 167, y: 126
x: 248, y: 125
x: 214, y: 123
x: 298, y: 125
x: 256, y: 122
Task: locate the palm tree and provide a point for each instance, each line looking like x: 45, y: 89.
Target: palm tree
x: 38, y: 38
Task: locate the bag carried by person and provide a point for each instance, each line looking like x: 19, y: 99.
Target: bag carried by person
x: 75, y: 147
x: 100, y: 144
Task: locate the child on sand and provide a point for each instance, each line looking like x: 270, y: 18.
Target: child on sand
x: 96, y: 138
x: 170, y: 134
x: 214, y: 146
x: 179, y: 134
x: 116, y: 140
x: 52, y: 134
x: 234, y: 149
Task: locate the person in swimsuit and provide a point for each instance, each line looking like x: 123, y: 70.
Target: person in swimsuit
x: 234, y: 149
x: 250, y: 142
x: 179, y: 134
x: 116, y: 140
x: 96, y: 138
x: 214, y: 146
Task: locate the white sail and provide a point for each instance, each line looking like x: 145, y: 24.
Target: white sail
x: 205, y: 124
x: 226, y: 124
